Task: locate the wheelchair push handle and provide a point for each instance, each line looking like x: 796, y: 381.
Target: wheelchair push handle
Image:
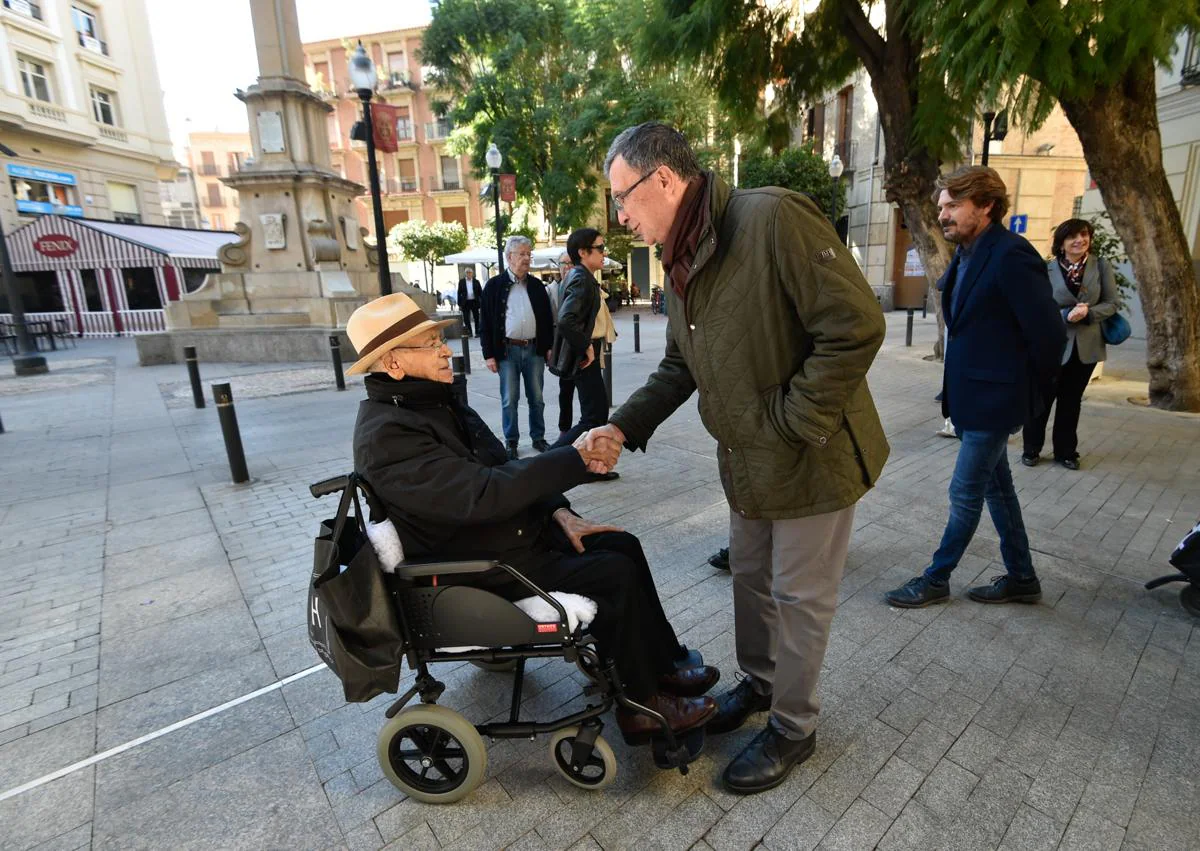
x: 324, y: 488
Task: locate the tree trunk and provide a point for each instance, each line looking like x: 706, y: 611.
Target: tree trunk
x: 1118, y: 128
x: 909, y: 171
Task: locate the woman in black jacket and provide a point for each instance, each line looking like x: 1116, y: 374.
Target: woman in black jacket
x: 453, y: 495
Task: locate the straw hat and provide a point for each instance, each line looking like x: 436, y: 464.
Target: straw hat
x: 383, y: 324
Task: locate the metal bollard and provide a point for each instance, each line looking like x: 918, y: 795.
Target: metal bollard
x: 223, y: 397
x: 608, y: 371
x: 193, y: 368
x: 637, y: 334
x: 908, y: 330
x: 466, y: 355
x: 1, y: 426
x: 456, y: 364
x: 335, y: 349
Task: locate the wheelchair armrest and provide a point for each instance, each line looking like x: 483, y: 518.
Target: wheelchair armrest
x: 411, y: 570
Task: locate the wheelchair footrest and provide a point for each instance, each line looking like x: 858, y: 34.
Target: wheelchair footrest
x: 689, y: 746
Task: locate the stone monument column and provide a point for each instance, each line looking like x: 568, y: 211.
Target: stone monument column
x: 299, y: 266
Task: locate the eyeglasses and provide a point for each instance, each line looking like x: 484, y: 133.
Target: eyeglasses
x: 432, y: 344
x: 620, y: 197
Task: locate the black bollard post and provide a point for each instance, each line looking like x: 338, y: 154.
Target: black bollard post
x: 908, y: 331
x: 608, y: 370
x: 456, y: 364
x: 637, y: 333
x: 335, y: 349
x: 1, y: 426
x: 223, y: 396
x: 193, y: 368
x: 466, y: 355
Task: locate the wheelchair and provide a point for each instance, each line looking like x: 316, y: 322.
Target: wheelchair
x: 433, y: 753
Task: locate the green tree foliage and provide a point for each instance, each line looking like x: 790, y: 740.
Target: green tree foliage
x: 797, y: 169
x: 1098, y: 60
x: 550, y: 83
x: 428, y: 243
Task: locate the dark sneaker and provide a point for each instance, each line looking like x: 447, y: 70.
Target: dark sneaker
x: 1029, y: 459
x: 736, y: 705
x: 541, y: 445
x: 1071, y: 463
x: 511, y: 452
x: 919, y: 592
x: 1006, y: 589
x: 767, y: 761
x: 720, y: 559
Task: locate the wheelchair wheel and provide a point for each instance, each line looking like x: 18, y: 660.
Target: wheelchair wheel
x: 1189, y: 596
x: 432, y: 754
x: 599, y: 771
x: 496, y: 667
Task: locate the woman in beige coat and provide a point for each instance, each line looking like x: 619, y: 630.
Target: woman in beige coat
x: 1086, y: 290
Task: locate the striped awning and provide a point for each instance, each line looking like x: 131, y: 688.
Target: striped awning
x: 62, y: 242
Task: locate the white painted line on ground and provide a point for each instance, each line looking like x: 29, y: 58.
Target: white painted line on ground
x: 141, y: 740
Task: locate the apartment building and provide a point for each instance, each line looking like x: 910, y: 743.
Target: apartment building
x: 180, y: 203
x: 423, y: 180
x: 211, y: 156
x: 81, y: 107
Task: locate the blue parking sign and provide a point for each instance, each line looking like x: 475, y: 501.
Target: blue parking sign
x: 1018, y: 223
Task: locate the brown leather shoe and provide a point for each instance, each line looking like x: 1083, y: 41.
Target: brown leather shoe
x: 689, y: 682
x: 682, y: 714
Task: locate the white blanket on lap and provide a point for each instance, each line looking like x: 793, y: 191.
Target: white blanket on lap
x: 580, y: 610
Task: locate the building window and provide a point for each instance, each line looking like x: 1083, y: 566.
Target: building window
x: 87, y: 30
x: 845, y: 126
x: 450, y: 173
x: 321, y: 81
x: 214, y: 195
x: 1077, y: 206
x: 208, y: 163
x: 1190, y: 76
x: 404, y: 125
x: 397, y: 64
x: 91, y: 291
x: 235, y: 161
x: 124, y: 201
x: 36, y: 197
x: 104, y: 107
x: 407, y: 169
x: 455, y: 214
x: 217, y: 221
x: 25, y: 7
x: 35, y: 78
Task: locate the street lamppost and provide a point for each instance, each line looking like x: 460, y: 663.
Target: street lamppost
x: 835, y: 171
x: 27, y: 361
x: 494, y: 159
x: 364, y: 80
x: 990, y: 132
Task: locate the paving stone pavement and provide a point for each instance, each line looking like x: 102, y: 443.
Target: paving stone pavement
x: 140, y: 587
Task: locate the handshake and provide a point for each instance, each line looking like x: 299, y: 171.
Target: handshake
x: 600, y: 448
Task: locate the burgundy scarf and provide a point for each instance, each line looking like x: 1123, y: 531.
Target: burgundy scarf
x: 679, y: 248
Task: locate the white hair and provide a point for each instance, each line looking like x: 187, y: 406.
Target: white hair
x: 512, y: 242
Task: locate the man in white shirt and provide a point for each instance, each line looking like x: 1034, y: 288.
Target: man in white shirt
x: 516, y: 334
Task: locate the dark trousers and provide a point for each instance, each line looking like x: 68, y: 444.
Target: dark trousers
x: 470, y: 312
x: 593, y: 395
x: 631, y: 627
x: 566, y: 398
x: 1072, y: 380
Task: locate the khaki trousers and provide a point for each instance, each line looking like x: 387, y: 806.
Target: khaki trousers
x: 785, y: 583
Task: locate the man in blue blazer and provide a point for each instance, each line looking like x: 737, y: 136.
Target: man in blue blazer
x: 1005, y: 341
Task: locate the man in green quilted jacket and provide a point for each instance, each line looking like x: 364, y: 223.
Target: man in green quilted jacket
x: 770, y: 319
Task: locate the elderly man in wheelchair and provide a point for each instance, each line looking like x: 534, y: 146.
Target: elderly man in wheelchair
x: 442, y: 478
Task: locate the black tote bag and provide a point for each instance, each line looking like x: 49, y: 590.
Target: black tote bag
x: 352, y: 622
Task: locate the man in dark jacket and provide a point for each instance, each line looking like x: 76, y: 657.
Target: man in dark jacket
x: 453, y: 495
x: 1005, y: 338
x: 516, y: 333
x: 769, y: 317
x: 469, y: 295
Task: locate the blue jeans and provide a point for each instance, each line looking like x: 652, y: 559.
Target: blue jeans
x: 521, y: 362
x: 980, y: 473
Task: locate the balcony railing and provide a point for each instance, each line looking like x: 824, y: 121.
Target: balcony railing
x: 402, y: 186
x: 438, y: 130
x: 51, y: 113
x: 447, y: 185
x: 397, y: 80
x: 209, y: 169
x: 95, y: 45
x: 113, y: 133
x: 24, y: 7
x: 213, y: 202
x: 1191, y: 74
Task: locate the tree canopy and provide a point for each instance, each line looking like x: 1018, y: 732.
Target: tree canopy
x: 428, y: 242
